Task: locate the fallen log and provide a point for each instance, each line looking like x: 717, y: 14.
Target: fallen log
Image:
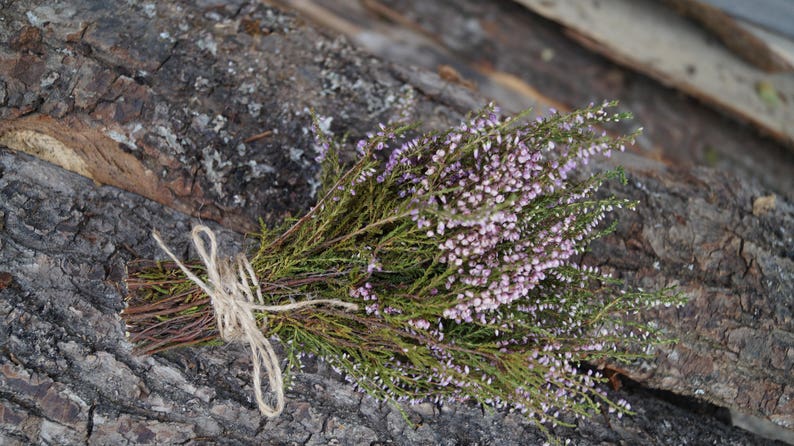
x: 173, y: 103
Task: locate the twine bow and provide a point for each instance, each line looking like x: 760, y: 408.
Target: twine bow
x: 229, y: 287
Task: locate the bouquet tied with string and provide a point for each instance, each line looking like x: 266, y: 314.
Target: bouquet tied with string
x: 438, y: 268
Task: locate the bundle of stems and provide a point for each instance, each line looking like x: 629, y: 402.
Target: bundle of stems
x: 460, y: 249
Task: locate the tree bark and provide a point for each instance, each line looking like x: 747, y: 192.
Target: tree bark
x: 166, y: 107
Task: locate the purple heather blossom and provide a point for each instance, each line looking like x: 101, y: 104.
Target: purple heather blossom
x: 484, y: 211
x: 364, y: 292
x: 374, y: 265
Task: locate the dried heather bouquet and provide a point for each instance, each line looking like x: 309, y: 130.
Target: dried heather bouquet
x: 455, y: 253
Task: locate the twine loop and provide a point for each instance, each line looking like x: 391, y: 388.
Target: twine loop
x: 229, y: 285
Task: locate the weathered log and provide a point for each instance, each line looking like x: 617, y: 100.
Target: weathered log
x: 522, y: 60
x: 122, y: 95
x: 160, y: 100
x: 735, y: 34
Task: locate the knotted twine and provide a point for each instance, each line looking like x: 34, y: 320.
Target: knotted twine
x: 229, y: 288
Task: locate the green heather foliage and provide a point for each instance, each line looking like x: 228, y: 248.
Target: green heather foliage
x: 460, y: 248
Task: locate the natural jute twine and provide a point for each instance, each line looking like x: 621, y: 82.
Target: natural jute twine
x: 229, y: 288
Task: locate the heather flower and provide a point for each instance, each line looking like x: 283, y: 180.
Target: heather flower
x: 461, y: 250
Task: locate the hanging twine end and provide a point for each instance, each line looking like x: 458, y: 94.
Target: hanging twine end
x: 229, y: 285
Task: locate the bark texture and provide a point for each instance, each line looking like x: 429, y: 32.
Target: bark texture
x: 171, y: 104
